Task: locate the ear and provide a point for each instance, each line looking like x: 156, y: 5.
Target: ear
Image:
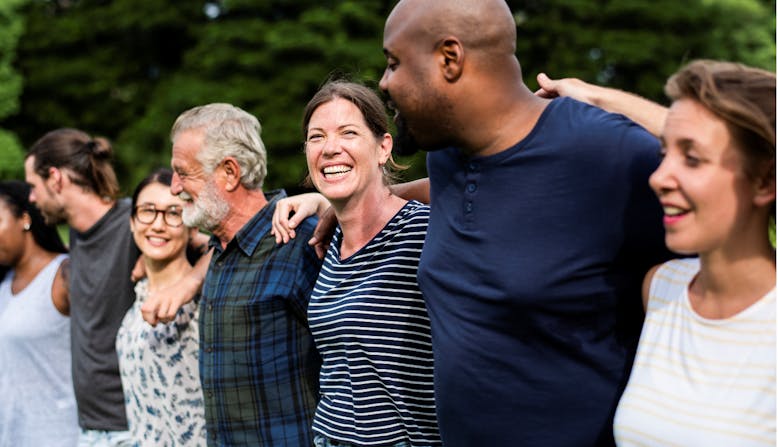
x: 452, y: 54
x: 26, y: 221
x: 55, y: 179
x: 132, y: 224
x: 385, y: 149
x: 231, y: 174
x: 764, y: 190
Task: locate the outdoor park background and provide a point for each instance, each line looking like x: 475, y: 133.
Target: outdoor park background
x: 124, y: 69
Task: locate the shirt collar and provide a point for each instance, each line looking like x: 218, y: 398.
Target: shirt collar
x: 249, y: 236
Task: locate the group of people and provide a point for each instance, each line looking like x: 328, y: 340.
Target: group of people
x: 496, y: 303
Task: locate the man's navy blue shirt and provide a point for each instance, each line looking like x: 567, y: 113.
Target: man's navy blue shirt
x: 531, y: 271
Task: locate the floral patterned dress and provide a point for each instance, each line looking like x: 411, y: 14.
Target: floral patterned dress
x: 160, y: 376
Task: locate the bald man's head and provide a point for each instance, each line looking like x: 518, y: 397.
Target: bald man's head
x: 481, y: 25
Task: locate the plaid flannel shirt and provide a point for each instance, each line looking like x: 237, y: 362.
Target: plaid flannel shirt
x: 258, y: 362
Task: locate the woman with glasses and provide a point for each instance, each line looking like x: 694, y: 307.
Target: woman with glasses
x: 159, y: 364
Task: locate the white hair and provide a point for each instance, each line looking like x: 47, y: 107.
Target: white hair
x: 229, y: 132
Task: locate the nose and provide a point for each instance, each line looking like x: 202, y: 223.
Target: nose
x: 663, y: 180
x: 31, y: 196
x: 331, y: 146
x: 382, y: 84
x: 175, y: 184
x: 159, y: 220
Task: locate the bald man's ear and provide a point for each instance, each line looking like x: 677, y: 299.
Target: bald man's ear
x: 453, y: 57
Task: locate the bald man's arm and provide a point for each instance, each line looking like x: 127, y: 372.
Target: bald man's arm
x: 647, y: 113
x: 413, y: 190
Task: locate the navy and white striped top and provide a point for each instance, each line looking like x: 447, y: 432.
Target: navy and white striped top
x: 371, y: 327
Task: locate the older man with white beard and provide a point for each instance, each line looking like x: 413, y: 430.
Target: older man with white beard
x: 258, y: 363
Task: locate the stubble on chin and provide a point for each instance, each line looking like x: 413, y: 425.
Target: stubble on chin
x: 54, y: 217
x: 404, y: 143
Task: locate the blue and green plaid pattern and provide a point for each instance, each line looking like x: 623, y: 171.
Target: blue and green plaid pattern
x: 258, y: 363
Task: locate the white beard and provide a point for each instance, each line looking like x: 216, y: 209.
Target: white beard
x: 207, y: 211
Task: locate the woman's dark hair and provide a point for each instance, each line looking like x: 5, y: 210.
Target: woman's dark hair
x: 368, y: 103
x: 15, y: 195
x: 163, y: 176
x: 85, y: 160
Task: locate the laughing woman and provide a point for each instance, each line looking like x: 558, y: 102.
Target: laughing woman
x: 705, y: 367
x: 159, y: 365
x: 366, y: 312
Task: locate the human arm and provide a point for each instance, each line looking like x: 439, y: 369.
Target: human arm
x: 647, y: 285
x: 291, y: 211
x: 413, y: 190
x: 163, y: 304
x: 60, y: 296
x: 647, y: 113
x: 322, y: 235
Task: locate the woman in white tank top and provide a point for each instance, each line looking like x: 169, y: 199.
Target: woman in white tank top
x: 704, y: 374
x: 37, y: 405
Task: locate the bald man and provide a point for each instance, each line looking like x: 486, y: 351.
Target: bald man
x: 541, y: 230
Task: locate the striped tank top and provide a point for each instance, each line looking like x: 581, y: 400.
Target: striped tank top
x: 698, y: 381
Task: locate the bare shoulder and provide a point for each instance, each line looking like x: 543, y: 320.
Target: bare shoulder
x: 60, y: 295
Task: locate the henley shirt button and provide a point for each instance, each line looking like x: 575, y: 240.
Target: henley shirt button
x: 210, y: 307
x: 471, y: 187
x: 472, y: 167
x: 469, y: 207
x: 209, y: 350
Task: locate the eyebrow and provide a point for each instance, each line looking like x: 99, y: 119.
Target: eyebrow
x: 686, y: 143
x: 155, y: 205
x: 341, y: 127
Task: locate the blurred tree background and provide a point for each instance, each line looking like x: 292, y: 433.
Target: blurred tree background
x: 125, y: 69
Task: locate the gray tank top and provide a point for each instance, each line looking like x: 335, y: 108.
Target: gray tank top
x: 37, y: 405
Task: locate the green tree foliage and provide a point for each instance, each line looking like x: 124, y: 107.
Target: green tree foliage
x: 93, y: 64
x: 126, y: 68
x: 11, y: 24
x: 635, y: 45
x: 267, y: 58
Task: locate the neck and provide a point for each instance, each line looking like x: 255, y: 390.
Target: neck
x: 30, y: 264
x: 85, y: 209
x: 732, y: 280
x: 244, y: 204
x: 162, y: 274
x: 501, y: 117
x: 361, y: 218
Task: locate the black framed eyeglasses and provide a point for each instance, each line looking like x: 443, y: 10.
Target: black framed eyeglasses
x: 147, y: 214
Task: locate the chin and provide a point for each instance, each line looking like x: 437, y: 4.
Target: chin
x: 160, y: 257
x: 682, y: 247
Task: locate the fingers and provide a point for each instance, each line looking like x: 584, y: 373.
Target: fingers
x: 167, y: 312
x: 321, y: 250
x: 548, y: 87
x: 149, y: 312
x: 280, y: 221
x: 322, y: 234
x: 139, y: 270
x: 156, y: 310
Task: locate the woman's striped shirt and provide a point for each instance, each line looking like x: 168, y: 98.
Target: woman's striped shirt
x: 370, y: 325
